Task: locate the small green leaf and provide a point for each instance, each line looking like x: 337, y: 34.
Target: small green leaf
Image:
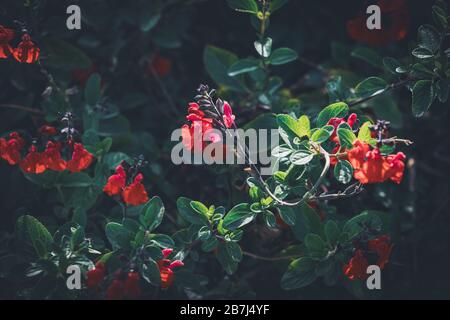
x: 282, y: 55
x: 343, y: 171
x: 234, y: 251
x: 92, y: 90
x: 305, y: 126
x: 35, y: 232
x: 247, y: 6
x: 429, y: 38
x: 243, y: 66
x: 152, y: 214
x: 364, y: 134
x: 264, y: 49
x: 322, y: 134
x: 422, y: 53
x: 422, y: 97
x: 346, y: 137
x: 335, y: 110
x: 301, y: 157
x: 300, y: 274
x: 189, y: 214
x: 370, y: 86
x: 332, y: 232
x: 368, y: 55
x: 238, y: 216
x: 118, y: 235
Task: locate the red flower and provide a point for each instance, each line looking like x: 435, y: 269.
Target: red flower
x: 34, y: 162
x: 116, y: 182
x: 81, y: 159
x: 47, y: 130
x: 26, y: 51
x: 53, y: 159
x: 336, y: 122
x: 131, y: 285
x: 372, y: 167
x: 162, y: 66
x: 165, y: 268
x: 228, y: 116
x: 10, y: 149
x: 135, y: 193
x: 383, y: 249
x: 115, y: 290
x: 96, y: 275
x: 6, y: 35
x: 356, y: 269
x: 395, y: 24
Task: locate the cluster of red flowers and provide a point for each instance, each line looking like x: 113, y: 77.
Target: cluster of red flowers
x: 369, y: 165
x: 133, y: 194
x: 50, y: 159
x: 166, y: 268
x: 395, y: 20
x: 356, y: 269
x: 26, y: 51
x: 196, y: 135
x: 124, y: 285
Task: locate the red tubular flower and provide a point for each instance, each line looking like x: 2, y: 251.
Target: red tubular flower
x: 356, y: 269
x: 131, y: 285
x: 34, y: 162
x: 26, y: 51
x: 6, y: 35
x: 135, y: 194
x: 162, y: 66
x: 383, y: 248
x: 96, y: 275
x: 52, y: 157
x: 116, y: 182
x: 10, y: 149
x: 81, y: 159
x: 396, y: 17
x: 115, y: 290
x: 165, y: 268
x: 228, y: 116
x: 47, y: 130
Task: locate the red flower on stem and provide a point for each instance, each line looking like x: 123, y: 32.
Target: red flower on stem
x: 10, y: 149
x: 135, y: 194
x: 81, y: 159
x: 370, y: 166
x: 383, y: 248
x: 228, y: 116
x: 116, y: 182
x: 26, y: 51
x: 356, y: 269
x: 96, y: 275
x: 6, y: 35
x: 166, y: 268
x: 34, y: 161
x: 52, y: 157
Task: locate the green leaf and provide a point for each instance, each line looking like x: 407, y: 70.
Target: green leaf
x: 204, y: 233
x: 264, y: 48
x: 299, y: 274
x: 162, y: 240
x: 149, y: 21
x: 391, y: 64
x: 442, y: 90
x: 305, y: 126
x: 238, y: 216
x: 210, y: 244
x: 322, y: 134
x: 357, y: 224
x: 346, y: 137
x: 243, y: 66
x: 315, y: 244
x: 281, y: 151
x: 332, y: 232
x: 282, y: 55
x: 368, y: 55
x: 35, y: 232
x: 75, y: 179
x: 422, y: 97
x: 225, y: 260
x: 422, y: 53
x: 150, y: 272
x: 290, y: 125
x: 277, y: 4
x: 429, y: 38
x: 385, y: 107
x: 288, y: 215
x: 301, y: 157
x: 217, y: 62
x: 234, y: 251
x: 118, y: 235
x: 370, y: 86
x: 62, y: 55
x: 113, y: 159
x: 92, y: 90
x: 189, y: 214
x: 200, y: 208
x: 152, y: 214
x: 248, y: 6
x: 335, y: 110
x: 364, y: 134
x: 343, y: 171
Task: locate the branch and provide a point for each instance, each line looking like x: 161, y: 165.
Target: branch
x: 22, y: 108
x: 255, y: 256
